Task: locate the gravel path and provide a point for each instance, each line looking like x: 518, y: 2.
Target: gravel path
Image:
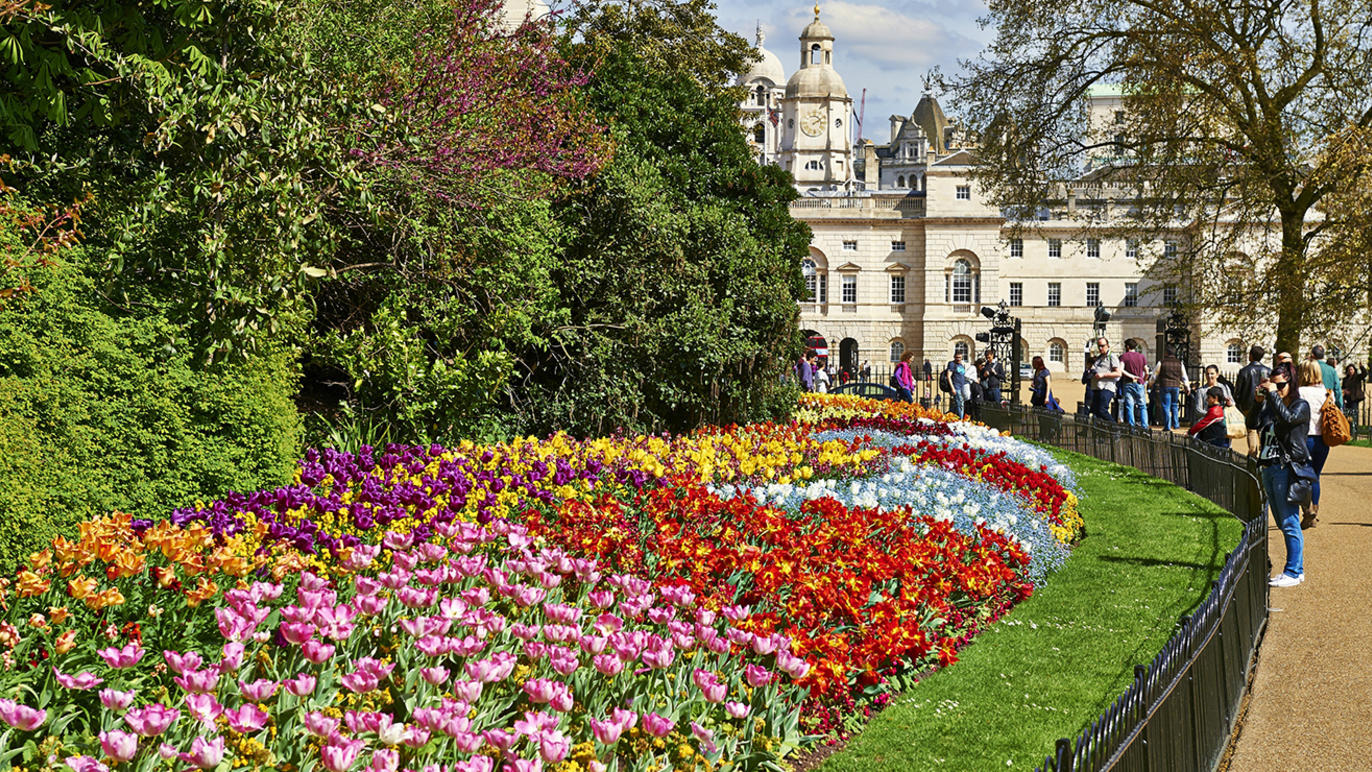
x: 1311, y: 705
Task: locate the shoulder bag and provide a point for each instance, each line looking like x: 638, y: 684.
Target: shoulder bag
x: 1334, y: 428
x: 1235, y: 427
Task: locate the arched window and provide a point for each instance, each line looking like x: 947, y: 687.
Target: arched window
x: 1057, y: 351
x: 964, y: 284
x: 760, y: 95
x: 816, y: 54
x: 759, y: 133
x: 961, y: 347
x: 897, y: 349
x: 900, y: 181
x: 1233, y: 353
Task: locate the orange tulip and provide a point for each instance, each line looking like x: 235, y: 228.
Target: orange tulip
x: 32, y: 584
x: 110, y: 597
x: 204, y: 590
x: 58, y: 614
x: 65, y: 642
x: 82, y: 587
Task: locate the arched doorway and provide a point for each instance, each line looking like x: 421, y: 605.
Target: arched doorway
x: 848, y: 355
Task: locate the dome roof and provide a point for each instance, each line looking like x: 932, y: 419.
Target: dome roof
x: 816, y: 82
x: 767, y: 67
x: 816, y: 30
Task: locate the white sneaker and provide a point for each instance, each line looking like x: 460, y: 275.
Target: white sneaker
x: 1286, y: 580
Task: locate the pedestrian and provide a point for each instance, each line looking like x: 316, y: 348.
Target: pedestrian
x: 1171, y: 376
x: 905, y: 378
x: 1041, y: 387
x: 1329, y: 375
x: 822, y: 379
x: 992, y: 376
x: 1199, y: 400
x: 1105, y: 374
x: 1285, y: 423
x: 955, y: 382
x: 928, y: 371
x: 805, y: 370
x: 1134, y: 385
x: 866, y: 371
x: 1354, y: 392
x: 1313, y: 391
x: 1211, y: 427
x: 1245, y: 394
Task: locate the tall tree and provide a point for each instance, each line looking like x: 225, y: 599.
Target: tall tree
x: 1234, y: 117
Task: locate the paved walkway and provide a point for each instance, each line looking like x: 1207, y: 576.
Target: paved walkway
x: 1311, y: 706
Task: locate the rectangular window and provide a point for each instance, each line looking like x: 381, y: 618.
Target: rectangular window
x: 897, y: 289
x: 897, y: 246
x: 1169, y: 295
x: 850, y: 246
x: 824, y: 288
x: 1016, y: 247
x: 1092, y: 294
x: 1055, y: 247
x: 1054, y: 293
x: 964, y: 192
x: 1016, y: 293
x: 1131, y: 249
x: 1093, y: 248
x: 849, y: 289
x: 1169, y: 249
x: 1131, y: 295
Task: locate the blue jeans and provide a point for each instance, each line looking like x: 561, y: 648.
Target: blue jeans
x: 1101, y: 404
x: 1319, y: 453
x: 1134, y: 400
x: 905, y: 395
x: 993, y: 396
x: 1275, y: 481
x: 956, y: 403
x: 1171, y: 403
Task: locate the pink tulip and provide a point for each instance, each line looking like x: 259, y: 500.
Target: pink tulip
x: 523, y: 765
x: 80, y: 681
x: 166, y: 751
x: 757, y: 675
x: 602, y: 598
x: 198, y: 681
x: 474, y: 764
x: 369, y: 605
x: 297, y: 632
x: 707, y: 737
x: 607, y: 732
x: 360, y: 682
x: 302, y: 685
x: 657, y: 726
x: 320, y: 725
x: 736, y: 709
x: 608, y: 664
x: 388, y: 732
x: 340, y: 754
x: 205, y: 754
x: 180, y: 663
x: 499, y: 738
x: 151, y: 720
x: 736, y: 613
x: 660, y: 658
x: 793, y: 666
x: 312, y: 582
x: 247, y: 719
x: 259, y: 690
x: 233, y: 657
x: 85, y: 764
x: 122, y: 658
x: 316, y: 652
x: 416, y: 737
x: 434, y: 675
x: 203, y: 708
x: 764, y: 645
x: 116, y: 700
x: 384, y: 760
x: 120, y: 746
x: 469, y: 691
x: 710, y: 685
x: 553, y: 747
x: 21, y: 717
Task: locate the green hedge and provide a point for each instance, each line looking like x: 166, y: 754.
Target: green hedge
x: 102, y: 410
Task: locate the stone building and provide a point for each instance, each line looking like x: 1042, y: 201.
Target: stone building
x: 906, y: 250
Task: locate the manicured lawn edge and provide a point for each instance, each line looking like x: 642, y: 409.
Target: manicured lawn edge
x: 1064, y: 655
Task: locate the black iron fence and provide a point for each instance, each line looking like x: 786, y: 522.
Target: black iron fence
x: 1179, y: 712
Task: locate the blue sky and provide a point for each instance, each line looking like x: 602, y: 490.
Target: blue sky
x: 885, y: 47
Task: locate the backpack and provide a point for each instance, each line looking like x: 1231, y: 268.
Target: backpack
x: 1334, y: 428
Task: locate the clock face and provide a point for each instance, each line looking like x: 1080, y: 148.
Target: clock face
x: 812, y: 123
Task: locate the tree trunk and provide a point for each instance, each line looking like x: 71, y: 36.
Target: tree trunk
x: 1291, y: 284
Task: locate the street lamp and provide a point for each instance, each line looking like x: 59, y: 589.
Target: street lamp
x: 1003, y: 338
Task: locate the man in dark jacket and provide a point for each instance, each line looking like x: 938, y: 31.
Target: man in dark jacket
x: 992, y: 376
x: 1245, y: 394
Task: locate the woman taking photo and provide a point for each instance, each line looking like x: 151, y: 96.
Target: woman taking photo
x: 1313, y: 392
x: 1285, y: 422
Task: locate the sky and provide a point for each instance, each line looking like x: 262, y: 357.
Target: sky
x: 886, y: 47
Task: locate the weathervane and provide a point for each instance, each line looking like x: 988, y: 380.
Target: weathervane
x: 816, y: 11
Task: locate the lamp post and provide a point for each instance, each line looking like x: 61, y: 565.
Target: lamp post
x: 1174, y: 333
x: 1003, y: 338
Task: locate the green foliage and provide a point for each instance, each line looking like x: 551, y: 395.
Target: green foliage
x: 99, y: 412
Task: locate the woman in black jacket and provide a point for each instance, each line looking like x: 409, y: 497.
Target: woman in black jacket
x: 1284, y: 423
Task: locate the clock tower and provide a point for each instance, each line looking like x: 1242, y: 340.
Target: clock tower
x: 816, y: 140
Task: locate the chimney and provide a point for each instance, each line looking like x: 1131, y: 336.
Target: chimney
x: 896, y: 120
x: 871, y: 164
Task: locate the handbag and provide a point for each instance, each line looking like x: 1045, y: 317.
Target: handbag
x: 1334, y: 428
x: 1302, y: 482
x: 1235, y: 427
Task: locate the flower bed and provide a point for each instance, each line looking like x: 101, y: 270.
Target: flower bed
x: 629, y: 602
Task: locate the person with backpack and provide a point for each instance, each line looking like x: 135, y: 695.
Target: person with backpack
x: 1329, y: 375
x: 1106, y: 372
x: 1171, y: 377
x: 1313, y: 391
x: 1134, y: 385
x: 953, y: 382
x: 904, y: 378
x: 1246, y: 392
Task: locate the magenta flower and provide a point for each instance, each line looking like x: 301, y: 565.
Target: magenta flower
x: 116, y: 700
x: 384, y: 760
x: 707, y: 737
x: 608, y: 664
x: 205, y: 754
x: 203, y: 708
x: 499, y: 738
x: 151, y: 720
x: 553, y: 747
x: 360, y: 682
x: 247, y: 719
x: 339, y: 755
x: 233, y: 656
x: 120, y: 746
x: 81, y: 681
x: 21, y: 717
x: 469, y: 691
x: 180, y: 663
x: 791, y: 665
x: 434, y: 675
x: 736, y: 709
x: 297, y: 632
x: 302, y: 685
x: 659, y: 658
x: 121, y: 658
x: 710, y: 685
x: 198, y: 681
x: 259, y: 690
x: 757, y: 675
x: 474, y: 764
x: 657, y: 726
x: 316, y: 652
x: 607, y: 732
x: 320, y: 725
x: 85, y: 764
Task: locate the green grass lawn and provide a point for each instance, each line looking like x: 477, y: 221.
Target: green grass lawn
x: 1064, y: 655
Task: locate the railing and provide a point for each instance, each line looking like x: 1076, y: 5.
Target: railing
x: 1179, y: 712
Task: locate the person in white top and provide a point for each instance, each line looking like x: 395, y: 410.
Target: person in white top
x: 822, y: 379
x: 1312, y: 390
